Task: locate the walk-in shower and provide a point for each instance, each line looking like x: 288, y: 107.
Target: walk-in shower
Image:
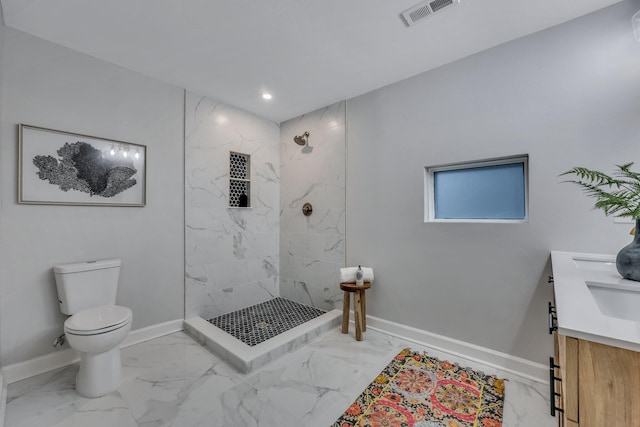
x: 239, y: 255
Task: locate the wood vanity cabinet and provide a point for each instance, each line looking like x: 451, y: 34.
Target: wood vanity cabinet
x: 599, y: 384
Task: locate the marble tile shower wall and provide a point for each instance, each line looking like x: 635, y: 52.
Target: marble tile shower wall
x: 231, y: 254
x: 312, y: 248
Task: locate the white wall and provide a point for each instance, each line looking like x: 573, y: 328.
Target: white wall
x: 46, y: 85
x: 232, y: 257
x: 567, y: 96
x: 312, y: 249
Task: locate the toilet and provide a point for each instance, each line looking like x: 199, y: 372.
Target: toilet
x: 87, y: 292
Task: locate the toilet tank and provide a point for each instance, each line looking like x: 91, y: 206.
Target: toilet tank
x: 87, y: 284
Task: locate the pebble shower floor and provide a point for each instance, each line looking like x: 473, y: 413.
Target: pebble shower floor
x: 258, y: 323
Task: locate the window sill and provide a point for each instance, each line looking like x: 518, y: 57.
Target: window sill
x: 478, y: 221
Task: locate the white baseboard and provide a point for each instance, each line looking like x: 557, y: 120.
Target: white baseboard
x: 60, y: 358
x: 153, y: 331
x: 506, y: 362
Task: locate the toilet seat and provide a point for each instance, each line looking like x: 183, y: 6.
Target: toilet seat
x: 98, y: 320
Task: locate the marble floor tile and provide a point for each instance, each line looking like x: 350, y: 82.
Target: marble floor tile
x: 173, y: 381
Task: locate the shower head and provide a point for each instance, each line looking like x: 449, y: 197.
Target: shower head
x: 302, y: 139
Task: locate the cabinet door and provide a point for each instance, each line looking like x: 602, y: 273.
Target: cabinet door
x: 609, y: 386
x: 568, y: 357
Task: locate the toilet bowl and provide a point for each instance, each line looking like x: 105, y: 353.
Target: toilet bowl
x: 96, y: 333
x: 97, y: 326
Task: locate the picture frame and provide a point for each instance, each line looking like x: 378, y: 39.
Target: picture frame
x: 64, y: 168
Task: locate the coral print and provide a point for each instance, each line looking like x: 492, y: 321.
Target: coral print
x: 416, y: 390
x: 62, y: 168
x: 81, y: 167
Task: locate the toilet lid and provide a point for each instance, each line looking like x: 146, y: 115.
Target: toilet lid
x: 98, y: 320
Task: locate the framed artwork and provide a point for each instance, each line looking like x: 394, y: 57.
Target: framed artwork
x: 63, y: 168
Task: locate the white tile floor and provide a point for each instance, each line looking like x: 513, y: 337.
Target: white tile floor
x: 173, y: 381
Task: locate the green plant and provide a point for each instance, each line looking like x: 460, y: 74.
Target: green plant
x: 617, y: 195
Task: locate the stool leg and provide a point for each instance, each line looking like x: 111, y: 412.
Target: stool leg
x: 345, y: 313
x: 357, y: 308
x: 363, y: 295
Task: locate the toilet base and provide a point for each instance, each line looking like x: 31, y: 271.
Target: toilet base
x: 99, y: 373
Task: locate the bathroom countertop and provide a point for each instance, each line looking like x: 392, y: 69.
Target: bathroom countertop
x: 579, y: 315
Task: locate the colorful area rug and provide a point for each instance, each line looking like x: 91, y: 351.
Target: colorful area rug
x: 421, y: 391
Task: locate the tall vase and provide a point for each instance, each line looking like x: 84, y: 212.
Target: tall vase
x: 628, y: 259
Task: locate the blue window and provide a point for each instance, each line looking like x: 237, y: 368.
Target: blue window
x: 488, y: 190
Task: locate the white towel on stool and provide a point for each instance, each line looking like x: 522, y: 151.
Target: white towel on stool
x: 348, y: 274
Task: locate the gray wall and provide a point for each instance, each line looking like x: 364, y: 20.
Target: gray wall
x: 312, y: 249
x: 47, y: 85
x: 2, y: 29
x: 567, y: 96
x: 231, y: 253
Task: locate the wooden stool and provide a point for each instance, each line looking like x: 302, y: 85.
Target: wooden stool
x: 359, y: 307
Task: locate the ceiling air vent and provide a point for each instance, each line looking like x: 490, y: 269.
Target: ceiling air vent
x: 425, y: 9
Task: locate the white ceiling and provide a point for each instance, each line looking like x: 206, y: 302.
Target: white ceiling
x: 308, y: 53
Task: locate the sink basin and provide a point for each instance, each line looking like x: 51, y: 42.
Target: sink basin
x: 594, y: 264
x: 617, y: 299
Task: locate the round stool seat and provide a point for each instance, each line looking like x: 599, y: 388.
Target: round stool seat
x: 352, y: 287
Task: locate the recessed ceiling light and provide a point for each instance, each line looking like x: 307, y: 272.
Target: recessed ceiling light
x: 266, y: 96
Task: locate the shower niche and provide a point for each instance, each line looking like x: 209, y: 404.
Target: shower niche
x: 239, y: 180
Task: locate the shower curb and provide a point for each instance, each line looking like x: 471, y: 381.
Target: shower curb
x: 246, y: 358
